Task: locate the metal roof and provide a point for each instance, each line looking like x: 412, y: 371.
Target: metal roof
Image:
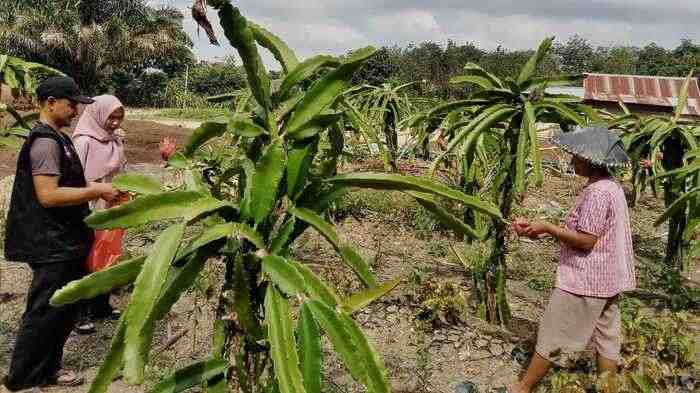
x: 643, y: 90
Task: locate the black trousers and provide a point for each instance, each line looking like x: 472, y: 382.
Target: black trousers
x: 44, y: 329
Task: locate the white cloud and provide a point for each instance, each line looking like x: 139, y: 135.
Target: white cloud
x: 336, y: 26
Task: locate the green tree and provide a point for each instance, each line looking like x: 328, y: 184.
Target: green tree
x: 576, y: 55
x: 276, y: 178
x: 377, y: 70
x: 89, y: 40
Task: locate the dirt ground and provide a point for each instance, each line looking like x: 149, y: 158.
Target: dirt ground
x: 142, y: 138
x: 421, y: 356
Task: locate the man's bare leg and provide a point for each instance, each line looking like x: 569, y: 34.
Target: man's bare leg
x: 539, y: 367
x: 606, y: 365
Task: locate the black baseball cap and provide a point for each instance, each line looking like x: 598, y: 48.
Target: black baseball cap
x: 61, y: 87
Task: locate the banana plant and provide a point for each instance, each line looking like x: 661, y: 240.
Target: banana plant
x: 378, y: 111
x: 273, y: 310
x: 658, y: 145
x: 507, y: 111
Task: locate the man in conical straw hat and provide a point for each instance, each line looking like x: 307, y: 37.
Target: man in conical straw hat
x: 596, y: 262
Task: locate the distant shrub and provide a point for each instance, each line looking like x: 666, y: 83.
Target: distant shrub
x: 214, y: 79
x: 148, y: 90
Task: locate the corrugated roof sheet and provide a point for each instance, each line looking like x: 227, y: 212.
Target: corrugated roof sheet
x: 644, y: 90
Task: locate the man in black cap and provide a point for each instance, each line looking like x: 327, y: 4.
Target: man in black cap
x: 46, y: 229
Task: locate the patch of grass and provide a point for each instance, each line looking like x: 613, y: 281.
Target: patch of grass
x: 195, y: 114
x: 676, y: 294
x: 4, y: 328
x: 437, y: 248
x: 388, y: 206
x: 541, y: 283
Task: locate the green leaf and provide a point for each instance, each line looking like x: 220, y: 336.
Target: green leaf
x: 643, y: 382
x: 310, y: 351
x: 178, y: 161
x: 304, y: 70
x: 482, y: 122
x: 383, y: 181
x: 137, y: 183
x: 98, y: 283
x: 521, y: 154
x: 474, y: 79
x: 195, y: 182
x: 148, y: 286
x: 592, y: 113
x: 241, y: 37
x: 149, y: 208
x: 282, y: 344
x: 206, y: 237
x: 324, y: 92
x: 453, y: 106
x: 445, y: 217
x: 678, y: 205
x: 282, y: 237
x: 362, y: 299
x: 178, y: 280
x: 316, y: 125
x: 350, y: 257
x: 341, y: 339
x: 265, y: 182
x: 279, y: 49
x: 299, y: 158
x: 476, y: 70
x: 203, y: 134
x: 190, y: 376
x: 529, y: 69
x: 376, y: 379
x: 315, y: 288
x: 564, y: 111
x: 109, y: 369
x: 284, y: 275
x: 242, y: 126
x: 250, y: 234
x: 529, y: 120
x: 683, y: 97
x: 285, y: 108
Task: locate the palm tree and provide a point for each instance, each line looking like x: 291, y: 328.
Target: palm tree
x: 89, y: 40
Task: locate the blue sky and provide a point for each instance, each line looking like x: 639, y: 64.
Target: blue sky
x: 335, y: 26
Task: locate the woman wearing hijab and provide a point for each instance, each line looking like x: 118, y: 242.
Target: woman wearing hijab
x: 596, y: 263
x: 101, y: 151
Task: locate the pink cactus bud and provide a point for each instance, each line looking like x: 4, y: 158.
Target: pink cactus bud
x: 167, y: 148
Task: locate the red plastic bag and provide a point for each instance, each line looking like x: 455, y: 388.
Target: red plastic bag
x: 106, y: 250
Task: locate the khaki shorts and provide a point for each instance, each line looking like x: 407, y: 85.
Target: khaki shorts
x: 574, y: 323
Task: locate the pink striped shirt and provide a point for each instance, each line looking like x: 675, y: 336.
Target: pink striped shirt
x: 608, y: 269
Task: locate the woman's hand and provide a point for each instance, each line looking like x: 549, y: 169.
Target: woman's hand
x: 533, y: 230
